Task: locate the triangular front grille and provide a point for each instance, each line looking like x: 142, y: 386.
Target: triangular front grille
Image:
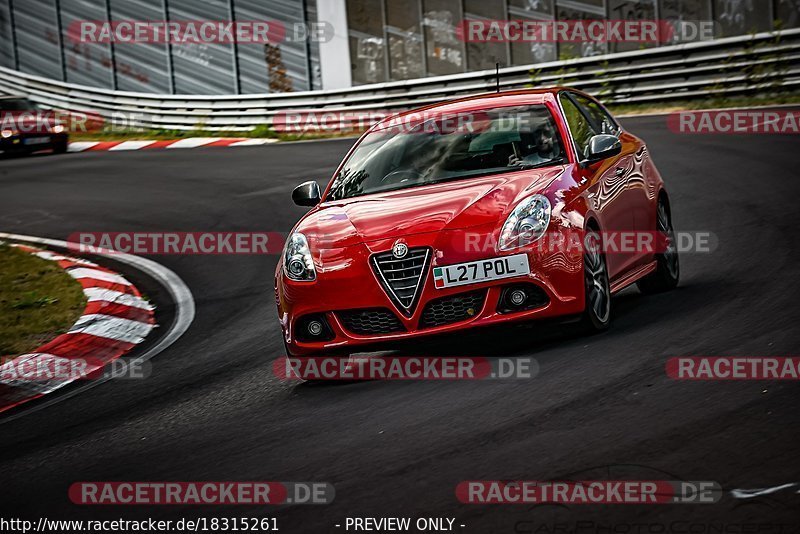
x: 402, y: 278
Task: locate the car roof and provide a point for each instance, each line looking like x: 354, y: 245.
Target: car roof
x: 482, y: 101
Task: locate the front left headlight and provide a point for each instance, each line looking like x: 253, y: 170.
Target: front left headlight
x: 526, y: 224
x: 297, y: 262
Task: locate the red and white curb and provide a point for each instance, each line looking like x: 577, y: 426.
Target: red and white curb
x: 179, y: 294
x: 115, y: 320
x: 190, y: 142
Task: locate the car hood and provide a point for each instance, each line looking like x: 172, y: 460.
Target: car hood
x: 433, y: 208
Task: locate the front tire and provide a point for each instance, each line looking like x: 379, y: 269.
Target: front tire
x: 597, y: 287
x: 294, y: 358
x: 667, y: 273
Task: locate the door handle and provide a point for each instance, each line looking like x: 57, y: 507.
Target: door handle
x: 620, y: 171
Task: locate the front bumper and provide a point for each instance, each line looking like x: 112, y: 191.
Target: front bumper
x: 359, y: 314
x: 17, y: 142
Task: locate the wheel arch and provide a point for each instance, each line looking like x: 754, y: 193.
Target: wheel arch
x: 663, y: 196
x: 592, y: 223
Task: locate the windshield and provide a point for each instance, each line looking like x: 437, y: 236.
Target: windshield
x: 443, y: 148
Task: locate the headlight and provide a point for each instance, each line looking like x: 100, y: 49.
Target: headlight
x: 58, y: 128
x: 6, y: 133
x: 297, y: 262
x: 527, y: 223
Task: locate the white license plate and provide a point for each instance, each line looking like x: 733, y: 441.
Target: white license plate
x: 475, y: 272
x: 36, y: 140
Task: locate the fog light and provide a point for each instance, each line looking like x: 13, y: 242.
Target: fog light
x: 521, y: 297
x: 517, y: 297
x: 315, y: 328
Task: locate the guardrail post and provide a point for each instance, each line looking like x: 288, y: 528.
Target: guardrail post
x: 309, y: 66
x: 170, y: 68
x: 422, y: 38
x: 60, y: 28
x: 13, y: 33
x: 237, y: 82
x: 111, y: 48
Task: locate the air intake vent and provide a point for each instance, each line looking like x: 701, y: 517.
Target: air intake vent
x: 371, y: 321
x: 402, y: 278
x: 453, y: 309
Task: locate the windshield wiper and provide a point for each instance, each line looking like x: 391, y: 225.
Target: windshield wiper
x: 528, y: 166
x: 502, y: 170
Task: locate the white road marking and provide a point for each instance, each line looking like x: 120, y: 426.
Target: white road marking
x: 750, y: 493
x: 179, y: 292
x: 80, y: 146
x: 193, y: 142
x: 96, y: 274
x: 95, y: 294
x: 131, y: 145
x: 30, y: 370
x: 110, y: 327
x: 253, y: 142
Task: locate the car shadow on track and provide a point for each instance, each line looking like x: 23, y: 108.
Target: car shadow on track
x: 632, y: 310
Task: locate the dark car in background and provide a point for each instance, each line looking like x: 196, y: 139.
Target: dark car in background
x: 26, y: 128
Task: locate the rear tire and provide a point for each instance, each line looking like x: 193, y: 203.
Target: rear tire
x: 597, y: 287
x: 60, y: 147
x: 667, y: 273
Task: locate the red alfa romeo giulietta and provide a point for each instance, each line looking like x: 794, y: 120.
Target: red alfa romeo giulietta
x: 463, y: 214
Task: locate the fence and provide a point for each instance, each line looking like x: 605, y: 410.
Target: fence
x: 765, y: 62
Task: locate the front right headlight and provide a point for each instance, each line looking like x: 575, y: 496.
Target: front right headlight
x: 297, y: 262
x: 526, y: 224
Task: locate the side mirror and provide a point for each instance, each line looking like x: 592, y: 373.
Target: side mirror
x: 306, y: 194
x: 603, y: 147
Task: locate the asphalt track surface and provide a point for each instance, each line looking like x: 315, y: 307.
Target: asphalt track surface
x: 601, y: 407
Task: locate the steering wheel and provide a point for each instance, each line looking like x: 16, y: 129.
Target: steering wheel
x: 402, y: 175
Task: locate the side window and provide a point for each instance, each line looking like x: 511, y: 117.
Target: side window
x: 602, y: 121
x: 581, y: 130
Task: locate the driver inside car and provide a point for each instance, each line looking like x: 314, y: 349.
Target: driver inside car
x: 426, y: 159
x: 533, y: 149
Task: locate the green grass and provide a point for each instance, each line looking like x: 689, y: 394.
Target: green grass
x: 38, y: 301
x: 260, y: 132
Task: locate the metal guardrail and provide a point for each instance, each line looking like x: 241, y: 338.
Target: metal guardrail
x: 764, y: 62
